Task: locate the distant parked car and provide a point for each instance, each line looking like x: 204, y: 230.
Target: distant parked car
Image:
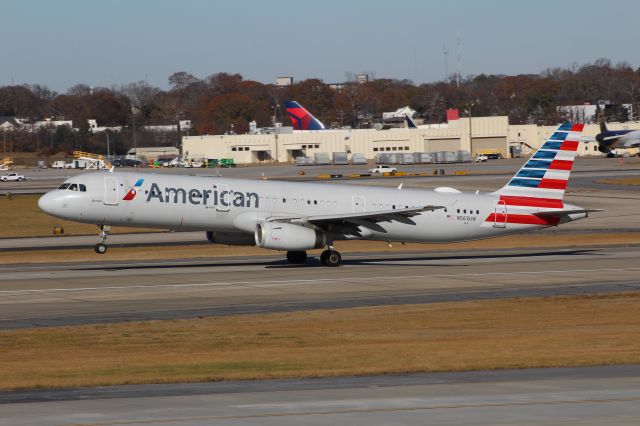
x: 481, y: 158
x: 127, y: 162
x: 383, y: 168
x: 12, y: 177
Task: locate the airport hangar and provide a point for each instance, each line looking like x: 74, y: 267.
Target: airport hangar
x: 285, y: 144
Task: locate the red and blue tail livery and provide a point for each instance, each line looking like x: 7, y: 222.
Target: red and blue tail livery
x: 301, y: 118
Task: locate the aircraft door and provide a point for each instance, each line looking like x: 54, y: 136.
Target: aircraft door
x: 500, y: 215
x: 110, y: 190
x: 358, y: 203
x: 224, y: 198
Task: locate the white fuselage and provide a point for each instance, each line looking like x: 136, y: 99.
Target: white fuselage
x: 219, y: 204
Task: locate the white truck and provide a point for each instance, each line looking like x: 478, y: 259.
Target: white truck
x: 383, y: 169
x: 12, y: 177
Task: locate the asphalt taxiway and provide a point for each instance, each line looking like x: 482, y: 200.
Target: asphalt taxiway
x: 72, y: 293
x: 562, y: 396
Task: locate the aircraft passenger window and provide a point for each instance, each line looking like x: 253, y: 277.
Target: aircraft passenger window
x: 375, y: 149
x: 394, y: 206
x: 83, y: 188
x: 406, y: 148
x: 335, y: 204
x: 317, y: 146
x: 308, y: 201
x: 284, y: 200
x: 64, y: 186
x: 315, y: 201
x: 458, y: 210
x: 465, y: 211
x: 234, y: 149
x: 477, y: 211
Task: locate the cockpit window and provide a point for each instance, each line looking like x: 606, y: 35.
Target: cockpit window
x: 73, y: 187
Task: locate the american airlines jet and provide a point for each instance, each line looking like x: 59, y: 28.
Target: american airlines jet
x: 300, y: 216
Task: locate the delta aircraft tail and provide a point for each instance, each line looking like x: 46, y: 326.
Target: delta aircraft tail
x: 301, y: 118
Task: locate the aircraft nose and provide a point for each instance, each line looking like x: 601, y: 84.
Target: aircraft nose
x: 51, y: 204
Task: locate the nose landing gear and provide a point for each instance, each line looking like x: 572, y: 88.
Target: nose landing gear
x: 101, y: 247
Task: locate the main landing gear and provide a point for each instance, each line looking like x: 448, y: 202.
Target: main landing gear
x: 329, y: 257
x: 101, y: 247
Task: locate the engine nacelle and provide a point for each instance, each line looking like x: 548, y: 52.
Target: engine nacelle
x: 231, y: 238
x: 285, y: 236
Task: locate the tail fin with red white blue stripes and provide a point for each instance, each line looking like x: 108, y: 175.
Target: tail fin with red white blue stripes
x: 546, y: 174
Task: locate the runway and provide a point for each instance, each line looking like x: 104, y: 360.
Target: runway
x: 563, y: 396
x: 70, y: 294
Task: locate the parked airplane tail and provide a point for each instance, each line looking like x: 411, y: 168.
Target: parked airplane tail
x: 600, y: 117
x: 410, y: 123
x: 301, y: 118
x: 542, y: 181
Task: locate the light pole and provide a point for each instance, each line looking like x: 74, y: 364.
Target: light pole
x: 469, y: 106
x: 108, y: 150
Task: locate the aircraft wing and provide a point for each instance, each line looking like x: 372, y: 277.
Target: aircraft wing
x: 370, y: 216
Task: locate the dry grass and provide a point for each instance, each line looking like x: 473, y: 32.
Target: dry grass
x: 516, y: 333
x: 21, y: 217
x: 217, y: 250
x: 633, y: 181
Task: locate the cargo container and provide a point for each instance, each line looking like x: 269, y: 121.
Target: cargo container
x: 423, y: 157
x: 463, y: 156
x: 406, y: 158
x: 443, y: 157
x: 304, y: 161
x: 358, y: 159
x: 515, y: 151
x: 340, y: 158
x: 321, y: 159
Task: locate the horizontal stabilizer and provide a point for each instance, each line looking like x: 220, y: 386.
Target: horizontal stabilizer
x: 558, y: 213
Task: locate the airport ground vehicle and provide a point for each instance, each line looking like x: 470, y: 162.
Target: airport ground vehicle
x: 383, y: 168
x: 481, y: 158
x: 12, y: 177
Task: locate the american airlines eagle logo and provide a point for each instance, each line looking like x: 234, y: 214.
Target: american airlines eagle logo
x: 133, y: 190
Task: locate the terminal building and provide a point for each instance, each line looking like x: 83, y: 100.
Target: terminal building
x: 475, y: 135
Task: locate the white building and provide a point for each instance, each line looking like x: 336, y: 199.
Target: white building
x: 489, y: 134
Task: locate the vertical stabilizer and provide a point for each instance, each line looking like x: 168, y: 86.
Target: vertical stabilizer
x: 544, y: 177
x: 301, y: 118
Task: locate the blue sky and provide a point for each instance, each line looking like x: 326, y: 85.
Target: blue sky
x: 113, y: 42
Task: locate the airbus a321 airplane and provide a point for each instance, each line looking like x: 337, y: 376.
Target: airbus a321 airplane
x: 299, y: 216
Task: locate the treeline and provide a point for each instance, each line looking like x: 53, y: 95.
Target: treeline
x: 223, y: 103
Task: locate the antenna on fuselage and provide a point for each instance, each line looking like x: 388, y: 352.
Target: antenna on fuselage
x: 400, y: 186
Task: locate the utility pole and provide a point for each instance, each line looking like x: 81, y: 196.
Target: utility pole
x: 469, y: 106
x: 458, y: 64
x: 445, y: 51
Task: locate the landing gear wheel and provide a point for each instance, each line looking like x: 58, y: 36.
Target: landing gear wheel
x: 100, y: 248
x: 297, y: 257
x: 330, y: 258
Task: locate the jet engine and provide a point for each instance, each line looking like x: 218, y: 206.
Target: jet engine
x: 285, y: 236
x: 231, y: 238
